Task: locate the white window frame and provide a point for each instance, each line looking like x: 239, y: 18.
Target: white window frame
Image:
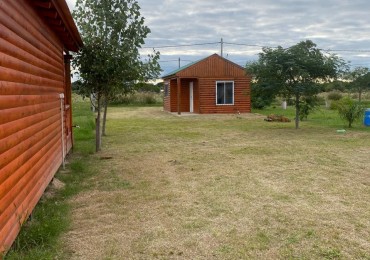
x: 225, y: 81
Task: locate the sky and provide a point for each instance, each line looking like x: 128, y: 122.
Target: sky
x: 341, y: 26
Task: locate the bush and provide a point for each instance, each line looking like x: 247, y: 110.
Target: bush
x: 333, y: 105
x: 148, y: 87
x: 350, y: 110
x: 366, y: 96
x: 334, y: 96
x: 262, y: 96
x: 138, y: 98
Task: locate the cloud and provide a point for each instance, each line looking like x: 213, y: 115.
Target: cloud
x: 331, y: 24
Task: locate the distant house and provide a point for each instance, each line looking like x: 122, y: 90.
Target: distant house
x: 211, y: 85
x: 35, y: 104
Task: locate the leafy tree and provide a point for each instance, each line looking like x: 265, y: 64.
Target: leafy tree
x: 349, y: 110
x: 307, y: 105
x: 112, y: 31
x: 359, y: 80
x: 336, y: 85
x: 296, y: 72
x: 262, y: 96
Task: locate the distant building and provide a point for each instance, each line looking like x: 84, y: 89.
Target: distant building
x: 211, y: 85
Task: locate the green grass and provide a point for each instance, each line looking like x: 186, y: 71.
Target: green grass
x: 212, y: 187
x: 40, y: 236
x: 226, y: 187
x: 320, y: 117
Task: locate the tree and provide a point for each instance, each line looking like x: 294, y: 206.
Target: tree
x: 308, y: 104
x: 262, y: 96
x: 296, y: 72
x: 336, y: 85
x: 359, y: 80
x: 349, y: 110
x: 112, y: 31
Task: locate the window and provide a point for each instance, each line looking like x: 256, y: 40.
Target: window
x: 225, y: 93
x: 166, y: 86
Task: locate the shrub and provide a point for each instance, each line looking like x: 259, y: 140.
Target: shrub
x: 148, y: 99
x: 366, y: 96
x: 335, y: 95
x: 350, y: 110
x: 333, y: 105
x: 262, y: 96
x: 138, y: 98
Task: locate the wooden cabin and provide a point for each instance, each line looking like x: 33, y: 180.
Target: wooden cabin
x: 35, y: 104
x: 211, y: 85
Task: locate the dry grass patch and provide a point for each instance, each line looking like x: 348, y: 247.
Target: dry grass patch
x: 223, y: 187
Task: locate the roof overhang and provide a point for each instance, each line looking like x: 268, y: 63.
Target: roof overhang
x: 57, y: 15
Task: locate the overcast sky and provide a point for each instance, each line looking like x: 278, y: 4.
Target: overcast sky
x: 332, y: 24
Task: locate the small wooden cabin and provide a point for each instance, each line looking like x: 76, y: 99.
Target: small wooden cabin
x: 35, y: 104
x: 211, y: 85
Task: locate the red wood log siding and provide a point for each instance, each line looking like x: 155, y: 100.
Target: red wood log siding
x: 207, y: 96
x: 213, y: 66
x: 166, y: 99
x: 173, y: 95
x: 31, y: 79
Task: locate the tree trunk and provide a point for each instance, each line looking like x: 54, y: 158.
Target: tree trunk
x: 105, y: 115
x: 297, y: 108
x: 97, y: 126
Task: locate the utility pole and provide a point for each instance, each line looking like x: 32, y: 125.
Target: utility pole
x: 222, y: 47
x: 179, y: 62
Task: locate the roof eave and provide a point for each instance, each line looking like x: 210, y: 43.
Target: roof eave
x: 63, y: 23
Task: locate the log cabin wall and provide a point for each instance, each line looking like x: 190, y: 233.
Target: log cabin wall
x: 173, y: 95
x: 32, y: 77
x: 242, y: 103
x: 166, y: 97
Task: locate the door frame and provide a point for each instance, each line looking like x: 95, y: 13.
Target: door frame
x: 191, y: 96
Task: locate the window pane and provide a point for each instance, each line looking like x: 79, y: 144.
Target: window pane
x: 220, y: 93
x: 229, y: 93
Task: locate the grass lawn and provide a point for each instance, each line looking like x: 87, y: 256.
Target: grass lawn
x: 223, y: 187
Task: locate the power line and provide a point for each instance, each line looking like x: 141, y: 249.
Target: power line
x: 348, y: 50
x: 249, y: 45
x: 242, y: 44
x: 174, y: 60
x: 180, y: 45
